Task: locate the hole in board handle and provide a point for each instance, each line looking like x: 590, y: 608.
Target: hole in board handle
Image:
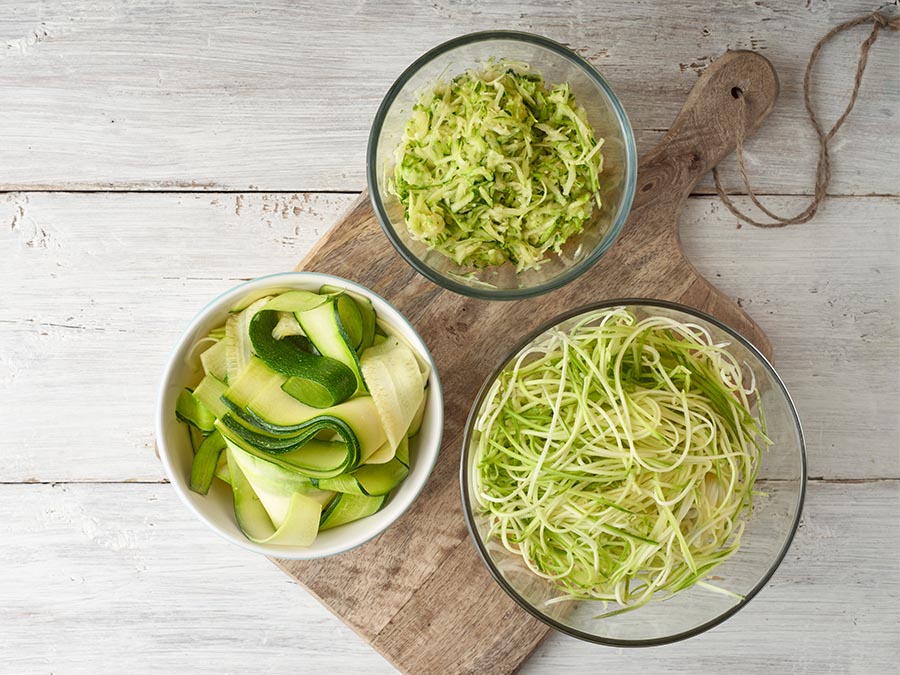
x: 736, y: 92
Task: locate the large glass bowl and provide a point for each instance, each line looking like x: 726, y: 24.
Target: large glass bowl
x: 557, y: 64
x: 769, y: 532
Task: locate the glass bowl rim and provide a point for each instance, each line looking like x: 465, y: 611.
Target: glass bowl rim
x: 470, y: 517
x: 571, y: 273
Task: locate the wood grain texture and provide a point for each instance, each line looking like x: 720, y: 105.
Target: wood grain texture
x: 118, y: 578
x: 279, y: 95
x: 448, y: 616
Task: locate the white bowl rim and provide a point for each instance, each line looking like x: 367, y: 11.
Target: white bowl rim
x: 229, y: 296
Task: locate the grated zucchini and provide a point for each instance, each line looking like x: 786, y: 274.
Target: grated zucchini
x: 497, y: 166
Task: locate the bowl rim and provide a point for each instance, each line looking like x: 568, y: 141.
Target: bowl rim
x: 480, y: 545
x: 569, y: 274
x: 161, y: 420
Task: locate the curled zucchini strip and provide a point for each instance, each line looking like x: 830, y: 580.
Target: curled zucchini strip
x: 297, y: 513
x: 354, y: 422
x: 370, y: 479
x: 314, y: 379
x: 395, y: 383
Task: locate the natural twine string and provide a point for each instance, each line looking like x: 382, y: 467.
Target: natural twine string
x: 823, y: 167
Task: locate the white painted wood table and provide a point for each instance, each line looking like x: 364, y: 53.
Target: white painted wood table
x: 152, y: 157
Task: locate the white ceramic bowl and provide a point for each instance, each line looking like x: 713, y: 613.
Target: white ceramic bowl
x: 215, y: 509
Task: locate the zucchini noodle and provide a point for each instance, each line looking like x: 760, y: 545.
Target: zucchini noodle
x: 617, y: 457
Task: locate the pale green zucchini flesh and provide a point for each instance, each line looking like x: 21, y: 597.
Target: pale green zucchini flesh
x: 255, y: 376
x: 203, y: 469
x: 366, y: 311
x: 345, y: 508
x: 285, y: 518
x: 350, y: 318
x: 209, y: 392
x: 307, y: 456
x: 395, y: 384
x: 215, y: 360
x: 295, y: 301
x: 189, y: 409
x: 369, y: 479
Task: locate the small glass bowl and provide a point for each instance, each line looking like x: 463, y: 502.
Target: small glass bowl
x: 556, y: 64
x: 765, y: 541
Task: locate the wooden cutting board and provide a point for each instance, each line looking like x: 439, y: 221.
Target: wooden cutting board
x: 419, y: 593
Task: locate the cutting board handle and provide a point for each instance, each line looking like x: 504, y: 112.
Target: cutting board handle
x: 706, y: 129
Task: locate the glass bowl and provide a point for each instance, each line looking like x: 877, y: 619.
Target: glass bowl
x: 769, y: 532
x: 557, y: 64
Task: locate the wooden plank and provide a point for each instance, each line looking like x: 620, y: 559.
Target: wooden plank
x: 279, y: 96
x: 829, y: 308
x: 96, y: 576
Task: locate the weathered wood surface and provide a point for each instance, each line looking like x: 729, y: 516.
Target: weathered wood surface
x: 206, y: 96
x: 118, y: 579
x: 279, y: 95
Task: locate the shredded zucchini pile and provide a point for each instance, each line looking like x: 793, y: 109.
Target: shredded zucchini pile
x: 496, y: 166
x: 618, y: 457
